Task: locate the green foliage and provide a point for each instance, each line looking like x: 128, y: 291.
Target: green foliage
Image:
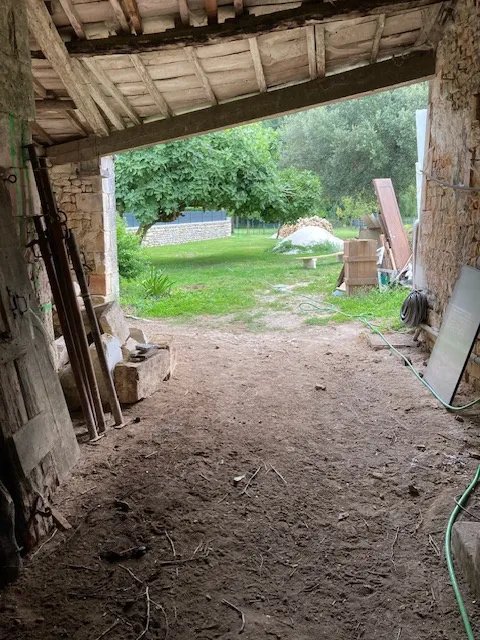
x: 156, y: 284
x: 236, y: 170
x: 130, y: 255
x: 353, y: 208
x: 349, y: 143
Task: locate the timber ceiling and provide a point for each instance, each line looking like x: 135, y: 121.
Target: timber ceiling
x: 103, y: 66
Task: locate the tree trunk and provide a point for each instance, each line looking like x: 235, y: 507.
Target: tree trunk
x: 143, y: 229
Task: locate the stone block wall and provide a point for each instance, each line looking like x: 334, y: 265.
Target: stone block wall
x: 159, y: 235
x: 86, y: 194
x: 450, y: 218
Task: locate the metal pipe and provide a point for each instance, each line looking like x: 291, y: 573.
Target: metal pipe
x: 66, y: 329
x: 94, y: 326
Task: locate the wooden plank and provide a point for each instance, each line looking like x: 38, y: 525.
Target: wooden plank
x: 211, y: 10
x: 312, y: 55
x: 40, y: 133
x: 241, y: 28
x: 74, y: 18
x: 392, y: 221
x: 150, y: 86
x: 47, y: 36
x: 320, y: 50
x: 238, y: 6
x: 119, y: 15
x: 200, y: 73
x: 43, y: 106
x: 378, y: 36
x: 257, y: 64
x: 38, y: 88
x: 184, y: 11
x: 97, y: 94
x: 430, y: 17
x: 365, y: 80
x: 112, y: 89
x: 131, y: 9
x: 76, y: 122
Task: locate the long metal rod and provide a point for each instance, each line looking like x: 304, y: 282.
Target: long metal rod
x: 94, y: 326
x: 66, y: 330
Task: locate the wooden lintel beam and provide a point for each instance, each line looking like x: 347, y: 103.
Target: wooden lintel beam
x: 320, y: 49
x: 378, y: 36
x: 112, y: 89
x: 134, y: 15
x: 42, y: 106
x: 312, y: 56
x: 415, y: 67
x: 119, y: 15
x: 74, y: 18
x: 151, y: 87
x: 257, y: 64
x: 200, y: 73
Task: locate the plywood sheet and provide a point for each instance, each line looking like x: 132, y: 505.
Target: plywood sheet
x: 392, y: 221
x: 457, y: 336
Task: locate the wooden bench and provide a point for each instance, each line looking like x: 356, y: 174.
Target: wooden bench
x: 310, y: 262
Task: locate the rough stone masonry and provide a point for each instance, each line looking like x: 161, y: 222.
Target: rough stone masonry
x: 450, y: 218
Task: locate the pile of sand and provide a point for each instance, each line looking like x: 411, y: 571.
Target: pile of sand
x: 308, y: 236
x: 287, y: 229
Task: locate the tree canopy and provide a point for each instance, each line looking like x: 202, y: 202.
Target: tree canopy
x: 237, y: 170
x: 349, y: 143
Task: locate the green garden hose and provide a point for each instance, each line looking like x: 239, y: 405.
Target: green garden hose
x: 330, y: 308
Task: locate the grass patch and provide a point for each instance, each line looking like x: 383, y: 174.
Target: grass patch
x: 238, y: 276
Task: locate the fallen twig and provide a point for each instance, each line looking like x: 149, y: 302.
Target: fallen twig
x: 81, y: 566
x: 159, y: 606
x: 122, y: 566
x: 110, y: 628
x: 173, y: 549
x: 278, y: 474
x: 147, y: 620
x: 251, y: 479
x: 434, y: 545
x: 55, y: 531
x: 394, y: 543
x: 232, y: 606
x: 399, y: 633
x: 150, y: 455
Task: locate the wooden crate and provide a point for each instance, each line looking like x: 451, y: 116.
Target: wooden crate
x: 360, y: 258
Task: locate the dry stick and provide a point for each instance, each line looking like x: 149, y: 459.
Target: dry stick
x: 122, y: 566
x: 173, y: 549
x: 248, y: 483
x: 147, y: 621
x: 232, y: 606
x: 399, y: 633
x: 159, y: 606
x: 110, y: 628
x: 278, y: 474
x: 395, y: 542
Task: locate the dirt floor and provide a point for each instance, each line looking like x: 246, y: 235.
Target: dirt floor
x: 338, y: 536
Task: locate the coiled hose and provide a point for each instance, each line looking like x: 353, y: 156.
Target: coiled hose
x: 414, y: 309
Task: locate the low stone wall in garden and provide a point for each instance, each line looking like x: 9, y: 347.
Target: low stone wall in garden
x: 160, y: 235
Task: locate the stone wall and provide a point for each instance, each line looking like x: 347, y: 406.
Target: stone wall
x: 450, y: 218
x: 86, y: 194
x: 159, y: 235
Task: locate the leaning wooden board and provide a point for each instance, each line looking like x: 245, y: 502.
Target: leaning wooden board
x: 458, y: 334
x: 392, y: 221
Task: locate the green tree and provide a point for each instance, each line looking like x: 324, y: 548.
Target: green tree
x: 236, y: 170
x: 349, y: 143
x: 301, y: 194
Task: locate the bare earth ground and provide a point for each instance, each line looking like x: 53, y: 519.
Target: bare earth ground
x: 343, y: 549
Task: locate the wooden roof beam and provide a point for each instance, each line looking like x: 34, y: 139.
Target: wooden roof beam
x: 41, y: 25
x: 211, y: 10
x: 320, y: 50
x: 74, y: 18
x: 119, y: 15
x: 42, y: 106
x: 312, y: 55
x: 40, y: 133
x: 238, y: 6
x: 38, y: 88
x: 243, y: 27
x: 200, y: 73
x: 257, y: 64
x: 184, y: 11
x: 415, y: 67
x: 77, y: 123
x: 112, y: 89
x: 134, y: 15
x: 378, y: 36
x: 97, y: 94
x: 151, y: 87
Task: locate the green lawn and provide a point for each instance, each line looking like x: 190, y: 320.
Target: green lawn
x: 238, y: 275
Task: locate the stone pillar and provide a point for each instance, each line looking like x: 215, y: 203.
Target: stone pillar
x: 86, y: 194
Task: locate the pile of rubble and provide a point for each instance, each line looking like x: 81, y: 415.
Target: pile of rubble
x: 139, y: 364
x: 287, y: 229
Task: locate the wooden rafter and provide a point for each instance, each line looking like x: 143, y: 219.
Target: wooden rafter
x: 74, y: 18
x: 39, y: 89
x: 41, y: 24
x: 134, y: 15
x: 112, y: 89
x: 200, y: 73
x: 151, y: 87
x: 415, y: 67
x: 97, y: 94
x: 238, y: 6
x: 119, y: 15
x: 243, y: 27
x: 430, y: 17
x: 320, y: 49
x: 257, y: 64
x: 40, y: 133
x: 184, y: 11
x: 211, y: 9
x: 312, y: 56
x: 42, y: 106
x: 378, y: 36
x: 76, y: 122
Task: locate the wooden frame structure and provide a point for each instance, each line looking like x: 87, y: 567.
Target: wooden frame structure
x: 116, y: 74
